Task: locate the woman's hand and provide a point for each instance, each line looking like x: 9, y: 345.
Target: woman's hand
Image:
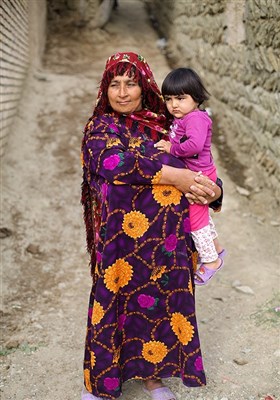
x: 198, y: 189
x: 204, y: 191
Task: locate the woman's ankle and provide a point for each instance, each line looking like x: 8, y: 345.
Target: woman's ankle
x: 152, y: 384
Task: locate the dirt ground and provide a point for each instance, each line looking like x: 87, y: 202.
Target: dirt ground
x: 46, y: 279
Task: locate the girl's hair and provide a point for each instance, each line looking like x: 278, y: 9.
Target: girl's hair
x: 185, y: 81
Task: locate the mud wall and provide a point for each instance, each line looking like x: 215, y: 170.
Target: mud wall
x: 235, y: 46
x: 91, y: 13
x: 22, y: 45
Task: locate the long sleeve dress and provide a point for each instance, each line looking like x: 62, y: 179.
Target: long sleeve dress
x: 141, y: 320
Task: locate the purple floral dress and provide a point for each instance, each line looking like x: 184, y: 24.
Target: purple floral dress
x: 141, y: 321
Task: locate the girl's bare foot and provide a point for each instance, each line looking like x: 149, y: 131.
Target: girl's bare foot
x: 214, y: 264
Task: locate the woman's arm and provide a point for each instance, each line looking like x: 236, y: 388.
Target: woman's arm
x: 197, y: 188
x: 104, y: 154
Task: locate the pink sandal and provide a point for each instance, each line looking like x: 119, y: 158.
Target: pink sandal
x: 161, y: 393
x: 204, y: 274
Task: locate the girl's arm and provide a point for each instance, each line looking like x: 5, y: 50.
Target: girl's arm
x: 196, y: 131
x: 195, y: 134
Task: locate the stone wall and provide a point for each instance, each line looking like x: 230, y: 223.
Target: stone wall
x: 93, y: 13
x: 22, y: 44
x: 235, y: 46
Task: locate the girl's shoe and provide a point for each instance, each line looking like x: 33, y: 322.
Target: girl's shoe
x: 161, y: 393
x: 203, y: 275
x: 88, y: 396
x: 222, y: 254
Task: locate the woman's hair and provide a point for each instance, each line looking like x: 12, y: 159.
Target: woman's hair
x: 185, y: 81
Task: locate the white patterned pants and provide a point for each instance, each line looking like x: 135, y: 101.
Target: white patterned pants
x: 204, y: 242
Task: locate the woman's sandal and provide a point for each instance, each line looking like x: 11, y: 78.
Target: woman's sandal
x: 203, y: 275
x: 88, y: 396
x: 161, y: 393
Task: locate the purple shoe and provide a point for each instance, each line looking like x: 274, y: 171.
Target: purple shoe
x: 88, y: 396
x: 222, y: 254
x: 204, y: 274
x: 161, y: 393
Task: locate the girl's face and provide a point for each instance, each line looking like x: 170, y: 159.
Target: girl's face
x: 124, y: 95
x: 180, y: 105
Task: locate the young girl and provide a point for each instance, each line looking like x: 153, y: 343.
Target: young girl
x: 190, y: 139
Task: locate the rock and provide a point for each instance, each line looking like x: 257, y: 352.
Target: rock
x: 218, y: 298
x: 33, y: 249
x: 5, y: 232
x: 236, y: 283
x: 242, y: 191
x: 277, y: 353
x: 244, y: 289
x: 240, y: 361
x: 274, y: 223
x: 246, y: 351
x: 40, y: 76
x: 37, y: 325
x: 12, y: 344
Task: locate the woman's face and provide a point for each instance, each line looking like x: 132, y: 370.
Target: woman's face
x: 124, y: 95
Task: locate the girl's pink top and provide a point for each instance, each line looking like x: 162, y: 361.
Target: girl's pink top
x: 190, y: 138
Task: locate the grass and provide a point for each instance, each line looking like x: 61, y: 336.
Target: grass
x: 269, y: 312
x: 26, y: 348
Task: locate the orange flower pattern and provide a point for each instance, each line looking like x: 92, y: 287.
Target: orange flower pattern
x: 112, y: 142
x: 97, y: 313
x: 118, y: 275
x: 158, y: 272
x: 135, y: 142
x: 92, y: 359
x: 166, y: 195
x: 182, y: 328
x: 135, y: 224
x: 154, y: 351
x: 195, y: 260
x: 87, y: 380
x: 157, y: 177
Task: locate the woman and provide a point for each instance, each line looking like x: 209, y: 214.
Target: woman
x: 141, y: 322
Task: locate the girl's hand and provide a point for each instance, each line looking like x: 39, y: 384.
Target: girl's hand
x: 163, y: 145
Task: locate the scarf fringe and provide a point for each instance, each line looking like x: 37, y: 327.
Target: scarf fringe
x: 87, y: 203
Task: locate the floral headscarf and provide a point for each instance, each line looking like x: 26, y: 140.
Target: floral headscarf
x: 154, y: 109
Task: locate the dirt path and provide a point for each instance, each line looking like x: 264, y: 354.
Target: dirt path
x: 46, y: 281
